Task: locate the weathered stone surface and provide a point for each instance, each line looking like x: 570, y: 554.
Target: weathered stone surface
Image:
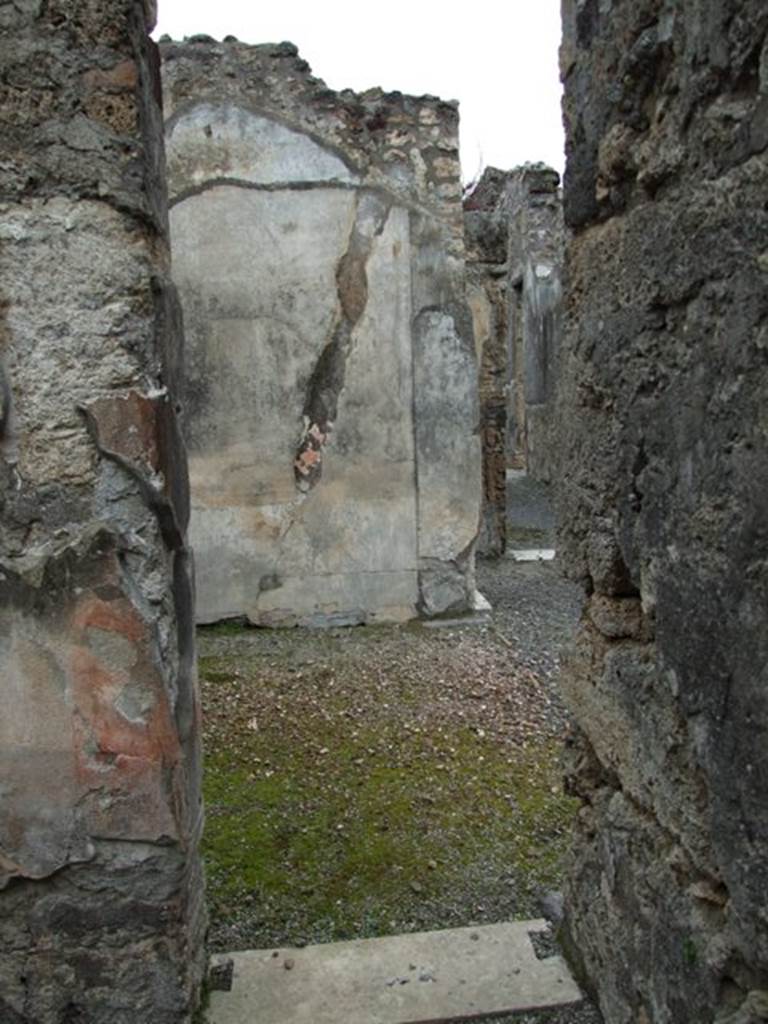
x: 101, y: 916
x: 486, y: 228
x: 417, y: 978
x: 535, y: 215
x: 331, y: 406
x: 664, y: 503
x: 754, y: 1010
x: 514, y: 232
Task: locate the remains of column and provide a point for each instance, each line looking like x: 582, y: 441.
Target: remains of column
x: 486, y: 226
x: 318, y: 249
x: 101, y: 916
x: 535, y: 214
x: 664, y: 504
x: 514, y: 233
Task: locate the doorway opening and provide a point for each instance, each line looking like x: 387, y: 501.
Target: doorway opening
x: 388, y: 778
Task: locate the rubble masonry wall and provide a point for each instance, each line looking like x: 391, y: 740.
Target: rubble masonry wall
x: 663, y: 503
x: 101, y: 905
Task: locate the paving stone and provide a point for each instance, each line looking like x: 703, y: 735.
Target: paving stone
x: 532, y: 554
x: 421, y: 978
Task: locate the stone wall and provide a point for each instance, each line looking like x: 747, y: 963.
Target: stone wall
x: 664, y: 503
x: 486, y: 229
x: 318, y: 249
x: 513, y: 222
x: 535, y: 214
x: 101, y: 916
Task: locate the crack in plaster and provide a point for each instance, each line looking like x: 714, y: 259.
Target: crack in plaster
x: 327, y: 381
x: 254, y: 186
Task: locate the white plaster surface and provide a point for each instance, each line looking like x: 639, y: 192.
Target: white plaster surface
x: 274, y: 242
x: 256, y: 273
x: 226, y: 141
x: 450, y: 468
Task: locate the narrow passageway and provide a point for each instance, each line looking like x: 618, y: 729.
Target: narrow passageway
x: 262, y: 355
x: 531, y: 519
x: 375, y: 781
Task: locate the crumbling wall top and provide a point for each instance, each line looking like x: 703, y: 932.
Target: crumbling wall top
x: 511, y: 212
x: 406, y: 144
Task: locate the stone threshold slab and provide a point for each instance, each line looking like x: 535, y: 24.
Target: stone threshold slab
x: 532, y: 554
x: 421, y: 978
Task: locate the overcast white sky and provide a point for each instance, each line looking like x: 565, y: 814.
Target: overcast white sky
x: 497, y: 57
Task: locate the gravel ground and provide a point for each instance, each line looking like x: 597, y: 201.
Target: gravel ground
x: 536, y: 610
x: 379, y: 780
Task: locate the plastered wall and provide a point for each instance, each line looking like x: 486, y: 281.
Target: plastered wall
x: 331, y: 399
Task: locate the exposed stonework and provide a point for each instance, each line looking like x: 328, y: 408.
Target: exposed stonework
x: 486, y: 227
x: 664, y: 503
x: 318, y: 248
x: 514, y: 234
x: 535, y: 216
x: 101, y: 916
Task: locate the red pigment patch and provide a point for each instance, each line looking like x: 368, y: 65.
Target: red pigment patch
x: 122, y: 765
x: 127, y: 425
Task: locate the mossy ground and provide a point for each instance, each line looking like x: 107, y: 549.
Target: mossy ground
x: 370, y: 781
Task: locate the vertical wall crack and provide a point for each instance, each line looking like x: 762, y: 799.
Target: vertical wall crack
x: 327, y: 380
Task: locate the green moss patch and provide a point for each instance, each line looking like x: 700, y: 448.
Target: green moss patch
x: 356, y: 792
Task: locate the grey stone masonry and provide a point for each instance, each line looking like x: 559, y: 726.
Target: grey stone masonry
x: 101, y: 912
x: 332, y: 386
x: 486, y: 228
x: 535, y: 214
x: 513, y: 222
x: 663, y: 504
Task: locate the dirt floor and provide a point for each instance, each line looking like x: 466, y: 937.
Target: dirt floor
x: 374, y: 780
